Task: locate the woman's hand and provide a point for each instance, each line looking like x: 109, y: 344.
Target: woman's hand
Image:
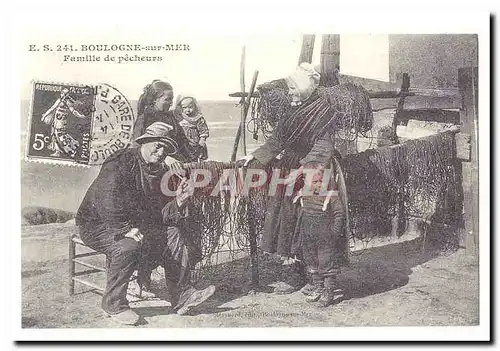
x: 135, y: 234
x: 184, y: 191
x: 245, y: 160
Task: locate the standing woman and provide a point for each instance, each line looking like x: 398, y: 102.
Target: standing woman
x: 154, y: 106
x: 305, y: 135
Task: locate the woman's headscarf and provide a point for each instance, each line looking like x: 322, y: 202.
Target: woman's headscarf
x: 302, y: 83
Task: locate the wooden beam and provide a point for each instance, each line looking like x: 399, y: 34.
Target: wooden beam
x: 414, y: 98
x: 386, y: 94
x: 306, y: 53
x: 89, y: 284
x: 240, y: 94
x: 436, y: 92
x: 329, y: 59
x: 426, y: 114
x: 417, y: 102
x: 467, y: 81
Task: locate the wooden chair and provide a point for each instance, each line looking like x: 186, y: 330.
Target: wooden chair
x: 76, y: 258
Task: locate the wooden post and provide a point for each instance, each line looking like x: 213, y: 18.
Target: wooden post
x: 254, y: 262
x: 306, y: 53
x: 399, y: 225
x: 329, y: 59
x: 243, y: 112
x: 245, y: 107
x: 405, y: 88
x: 467, y: 82
x: 72, y: 253
x: 330, y: 64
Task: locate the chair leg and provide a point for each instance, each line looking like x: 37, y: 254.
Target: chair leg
x: 72, y: 252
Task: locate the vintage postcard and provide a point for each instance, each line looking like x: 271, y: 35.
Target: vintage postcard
x: 186, y: 174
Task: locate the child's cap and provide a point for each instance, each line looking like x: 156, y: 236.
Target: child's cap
x: 183, y: 97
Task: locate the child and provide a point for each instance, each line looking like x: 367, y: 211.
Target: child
x: 195, y: 127
x: 321, y: 235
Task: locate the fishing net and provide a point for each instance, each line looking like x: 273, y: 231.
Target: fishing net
x: 416, y: 179
x: 344, y: 109
x: 212, y: 207
x: 274, y: 103
x: 224, y: 213
x: 352, y: 105
x: 226, y: 220
x: 413, y: 180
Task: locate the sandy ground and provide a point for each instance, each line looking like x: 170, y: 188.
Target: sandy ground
x: 393, y: 285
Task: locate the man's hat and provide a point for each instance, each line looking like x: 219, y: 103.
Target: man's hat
x: 159, y: 131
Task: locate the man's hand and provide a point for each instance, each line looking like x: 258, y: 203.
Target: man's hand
x: 203, y: 142
x: 135, y: 234
x: 184, y: 191
x: 177, y: 169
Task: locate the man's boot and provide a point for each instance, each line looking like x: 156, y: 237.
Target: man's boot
x: 332, y: 294
x: 137, y: 291
x: 127, y: 317
x: 318, y: 288
x: 191, y: 297
x: 183, y: 296
x: 308, y: 289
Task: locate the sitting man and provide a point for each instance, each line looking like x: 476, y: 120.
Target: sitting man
x: 125, y: 216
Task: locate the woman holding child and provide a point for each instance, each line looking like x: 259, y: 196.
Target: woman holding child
x: 190, y: 128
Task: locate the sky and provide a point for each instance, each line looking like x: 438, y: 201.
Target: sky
x: 210, y: 70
